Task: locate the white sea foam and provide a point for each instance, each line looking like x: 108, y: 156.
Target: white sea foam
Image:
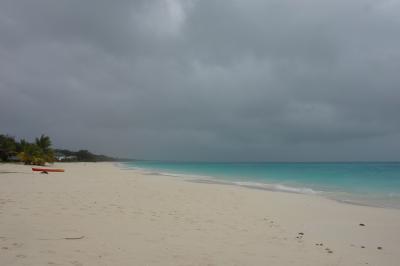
x: 160, y: 173
x: 211, y: 179
x: 390, y: 200
x: 278, y: 187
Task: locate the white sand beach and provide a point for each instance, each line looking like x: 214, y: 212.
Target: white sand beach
x: 99, y: 214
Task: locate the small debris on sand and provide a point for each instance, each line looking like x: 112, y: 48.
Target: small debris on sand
x: 74, y: 238
x: 361, y: 224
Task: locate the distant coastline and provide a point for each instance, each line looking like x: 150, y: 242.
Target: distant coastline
x: 64, y: 155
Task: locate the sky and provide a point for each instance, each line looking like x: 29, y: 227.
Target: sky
x: 209, y: 80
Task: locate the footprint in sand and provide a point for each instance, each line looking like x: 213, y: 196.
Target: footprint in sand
x: 17, y: 245
x: 329, y: 250
x: 48, y: 252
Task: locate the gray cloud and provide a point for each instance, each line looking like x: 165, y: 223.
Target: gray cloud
x: 204, y: 80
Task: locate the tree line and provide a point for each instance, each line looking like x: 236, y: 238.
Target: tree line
x: 40, y: 152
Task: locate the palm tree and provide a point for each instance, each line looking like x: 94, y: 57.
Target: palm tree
x: 32, y: 154
x: 37, y: 153
x: 43, y: 142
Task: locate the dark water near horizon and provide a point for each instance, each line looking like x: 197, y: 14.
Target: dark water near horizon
x: 372, y: 183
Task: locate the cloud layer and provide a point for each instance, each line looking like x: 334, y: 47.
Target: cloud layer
x: 205, y: 80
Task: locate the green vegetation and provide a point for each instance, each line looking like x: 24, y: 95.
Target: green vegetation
x: 37, y: 153
x: 7, y: 145
x: 40, y: 152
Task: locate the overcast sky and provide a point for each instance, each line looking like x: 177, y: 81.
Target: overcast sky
x: 225, y: 80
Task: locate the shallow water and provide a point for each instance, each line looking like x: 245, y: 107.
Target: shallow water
x: 372, y: 183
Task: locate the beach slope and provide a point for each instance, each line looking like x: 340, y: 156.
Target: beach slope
x: 100, y: 214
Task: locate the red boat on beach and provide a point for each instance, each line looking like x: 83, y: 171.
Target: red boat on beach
x: 47, y: 170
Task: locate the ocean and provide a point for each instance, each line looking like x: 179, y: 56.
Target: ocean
x: 366, y: 183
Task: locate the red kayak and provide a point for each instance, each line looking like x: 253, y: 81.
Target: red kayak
x: 47, y: 170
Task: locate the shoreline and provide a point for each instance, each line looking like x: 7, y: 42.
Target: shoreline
x: 100, y: 214
x: 271, y: 187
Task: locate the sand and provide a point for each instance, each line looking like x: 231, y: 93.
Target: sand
x: 99, y: 214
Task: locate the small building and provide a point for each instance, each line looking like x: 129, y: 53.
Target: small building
x: 71, y: 158
x: 59, y: 157
x: 14, y: 158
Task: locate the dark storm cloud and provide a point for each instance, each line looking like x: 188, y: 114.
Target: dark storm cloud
x: 205, y: 80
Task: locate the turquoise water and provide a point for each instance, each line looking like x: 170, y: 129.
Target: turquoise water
x: 376, y: 184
